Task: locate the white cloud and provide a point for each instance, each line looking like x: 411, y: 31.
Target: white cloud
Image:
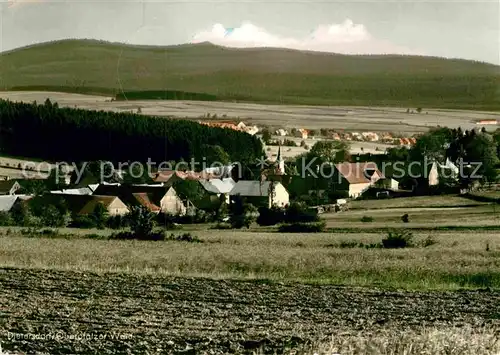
x: 345, y: 38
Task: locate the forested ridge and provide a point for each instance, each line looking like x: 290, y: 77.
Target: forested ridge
x: 74, y: 135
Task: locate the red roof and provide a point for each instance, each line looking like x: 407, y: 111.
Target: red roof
x: 358, y: 173
x: 164, y: 176
x: 145, y: 201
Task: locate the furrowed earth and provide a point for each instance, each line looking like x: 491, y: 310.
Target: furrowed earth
x: 144, y: 314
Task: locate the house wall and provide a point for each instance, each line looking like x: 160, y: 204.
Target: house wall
x: 355, y: 190
x: 281, y: 196
x: 117, y: 208
x: 433, y: 175
x: 172, y: 204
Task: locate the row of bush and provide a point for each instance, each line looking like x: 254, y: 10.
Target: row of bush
x: 396, y: 239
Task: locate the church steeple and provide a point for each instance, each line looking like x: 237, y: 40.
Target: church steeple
x: 280, y: 163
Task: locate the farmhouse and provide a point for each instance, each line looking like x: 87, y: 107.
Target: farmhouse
x: 356, y: 178
x: 219, y: 187
x: 9, y: 187
x: 266, y: 193
x: 154, y: 198
x: 113, y: 205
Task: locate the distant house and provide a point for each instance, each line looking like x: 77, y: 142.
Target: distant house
x: 487, y: 122
x: 155, y: 198
x: 281, y: 132
x: 420, y: 176
x: 171, y: 203
x: 370, y: 136
x: 336, y: 136
x: 113, y: 205
x: 302, y: 133
x: 266, y: 193
x: 356, y: 178
x: 9, y: 187
x: 169, y: 177
x: 356, y: 136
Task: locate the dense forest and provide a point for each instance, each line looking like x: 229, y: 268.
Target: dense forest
x: 74, y: 135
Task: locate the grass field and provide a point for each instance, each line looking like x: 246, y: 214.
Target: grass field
x: 253, y: 75
x: 257, y: 291
x: 352, y: 118
x: 414, y: 202
x: 458, y: 260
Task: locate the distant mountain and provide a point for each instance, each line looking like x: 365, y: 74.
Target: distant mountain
x: 260, y: 75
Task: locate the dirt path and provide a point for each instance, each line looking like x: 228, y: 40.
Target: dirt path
x: 153, y: 315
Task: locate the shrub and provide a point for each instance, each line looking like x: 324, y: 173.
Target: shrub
x: 186, y: 237
x: 52, y: 217
x: 84, y: 222
x: 117, y: 222
x: 289, y: 143
x: 367, y: 219
x: 398, y: 239
x: 301, y: 227
x: 299, y: 212
x: 349, y: 244
x: 427, y: 242
x: 222, y: 226
x: 94, y: 236
x: 6, y: 219
x: 142, y: 221
x: 270, y: 216
x: 157, y: 236
x: 242, y: 214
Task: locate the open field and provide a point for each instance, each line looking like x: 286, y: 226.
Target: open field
x: 157, y: 314
x: 420, y: 218
x: 457, y: 260
x: 415, y: 202
x: 253, y: 75
x: 287, y: 116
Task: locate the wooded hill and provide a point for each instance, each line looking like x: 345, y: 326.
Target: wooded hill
x: 73, y: 135
x: 205, y: 71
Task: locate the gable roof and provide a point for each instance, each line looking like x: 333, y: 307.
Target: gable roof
x: 165, y: 176
x: 90, y: 206
x: 6, y: 202
x: 146, y: 200
x: 358, y: 173
x: 218, y: 186
x: 7, y: 185
x: 82, y: 191
x: 134, y: 195
x: 252, y: 188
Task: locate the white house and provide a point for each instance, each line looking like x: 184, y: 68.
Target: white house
x: 269, y: 193
x: 113, y: 205
x: 356, y: 178
x: 171, y: 203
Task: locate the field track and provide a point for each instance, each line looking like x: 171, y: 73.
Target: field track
x: 150, y: 315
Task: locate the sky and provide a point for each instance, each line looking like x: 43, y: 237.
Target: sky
x: 453, y: 29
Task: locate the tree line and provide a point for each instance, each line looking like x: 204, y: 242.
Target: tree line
x: 75, y: 135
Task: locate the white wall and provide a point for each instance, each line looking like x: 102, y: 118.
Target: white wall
x: 355, y: 190
x: 281, y: 197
